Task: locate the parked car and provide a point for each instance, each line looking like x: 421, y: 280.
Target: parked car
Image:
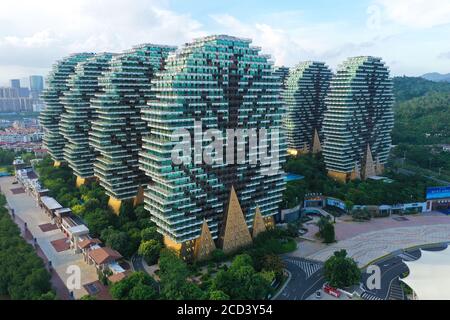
x: 318, y: 294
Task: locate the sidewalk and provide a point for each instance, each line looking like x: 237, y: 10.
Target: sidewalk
x: 62, y: 292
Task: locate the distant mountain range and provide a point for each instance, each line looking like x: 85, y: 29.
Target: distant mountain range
x: 438, y: 77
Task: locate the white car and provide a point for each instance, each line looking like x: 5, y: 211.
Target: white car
x: 318, y: 294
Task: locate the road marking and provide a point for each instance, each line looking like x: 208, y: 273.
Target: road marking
x: 308, y: 267
x: 368, y: 296
x: 407, y: 257
x: 313, y: 285
x: 396, y: 291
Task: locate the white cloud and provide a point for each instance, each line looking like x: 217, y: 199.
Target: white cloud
x: 444, y: 55
x: 289, y: 46
x: 39, y: 39
x: 33, y: 34
x: 36, y: 33
x: 416, y: 13
x: 277, y: 42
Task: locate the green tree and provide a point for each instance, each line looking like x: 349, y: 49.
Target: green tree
x: 79, y: 210
x: 118, y: 240
x: 151, y: 233
x: 274, y: 263
x: 173, y: 275
x: 137, y: 286
x: 341, y: 271
x: 23, y: 275
x: 97, y: 220
x: 349, y: 205
x: 149, y: 250
x: 327, y: 233
x: 241, y: 281
x: 47, y: 296
x: 218, y: 295
x: 218, y: 255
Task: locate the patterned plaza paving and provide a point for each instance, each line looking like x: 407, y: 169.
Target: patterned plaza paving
x: 349, y: 229
x: 367, y: 247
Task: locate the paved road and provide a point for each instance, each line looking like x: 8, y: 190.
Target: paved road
x: 391, y: 269
x: 307, y: 278
x: 136, y: 261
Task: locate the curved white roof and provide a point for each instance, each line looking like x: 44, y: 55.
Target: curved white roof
x: 429, y: 276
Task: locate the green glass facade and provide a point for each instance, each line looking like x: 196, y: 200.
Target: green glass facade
x: 283, y: 73
x: 225, y: 83
x: 359, y: 115
x: 50, y: 117
x: 116, y: 133
x: 78, y: 114
x: 306, y: 88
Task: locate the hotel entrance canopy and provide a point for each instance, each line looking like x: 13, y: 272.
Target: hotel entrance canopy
x: 429, y: 276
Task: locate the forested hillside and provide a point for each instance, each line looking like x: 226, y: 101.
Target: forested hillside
x: 422, y: 111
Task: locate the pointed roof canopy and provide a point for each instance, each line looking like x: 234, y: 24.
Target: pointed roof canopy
x: 235, y: 230
x: 317, y: 146
x: 429, y: 275
x: 204, y: 245
x: 259, y: 225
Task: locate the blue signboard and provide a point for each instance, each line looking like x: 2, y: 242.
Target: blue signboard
x: 438, y: 193
x: 335, y: 203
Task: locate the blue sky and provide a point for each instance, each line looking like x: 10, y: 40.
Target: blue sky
x: 412, y: 36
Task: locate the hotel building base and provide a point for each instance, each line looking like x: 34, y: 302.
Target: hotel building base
x: 115, y: 204
x: 339, y: 176
x: 57, y: 164
x: 82, y: 181
x: 235, y: 234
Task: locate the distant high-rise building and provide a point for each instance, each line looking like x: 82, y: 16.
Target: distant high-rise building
x: 117, y: 130
x: 36, y: 86
x: 10, y: 101
x: 15, y: 83
x: 78, y: 115
x: 223, y: 83
x: 50, y: 117
x: 304, y: 98
x: 22, y: 91
x: 358, y: 120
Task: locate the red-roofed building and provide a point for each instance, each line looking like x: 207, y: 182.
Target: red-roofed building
x: 101, y: 257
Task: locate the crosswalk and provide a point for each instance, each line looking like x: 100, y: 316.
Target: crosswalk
x: 368, y: 296
x: 396, y: 291
x: 309, y: 267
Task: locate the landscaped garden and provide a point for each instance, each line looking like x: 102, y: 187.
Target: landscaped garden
x: 403, y: 189
x: 247, y: 274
